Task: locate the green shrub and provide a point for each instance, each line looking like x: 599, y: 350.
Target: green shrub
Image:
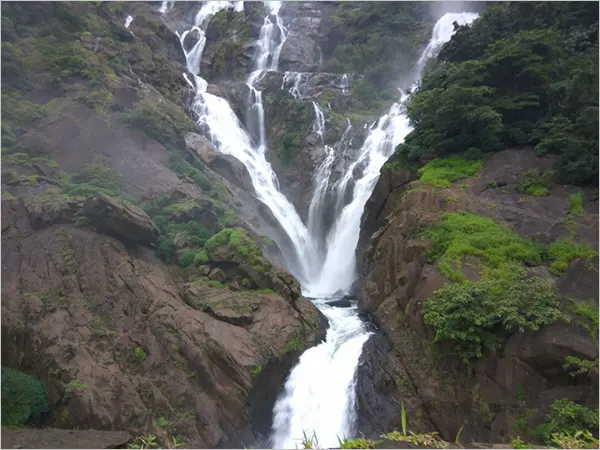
x: 568, y: 417
x: 577, y: 366
x: 140, y: 354
x: 563, y: 251
x: 359, y: 442
x: 576, y: 204
x: 186, y: 258
x: 589, y: 312
x: 23, y: 398
x: 537, y: 184
x: 479, y: 316
x: 442, y: 171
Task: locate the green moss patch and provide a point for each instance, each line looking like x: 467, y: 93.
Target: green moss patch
x: 440, y: 172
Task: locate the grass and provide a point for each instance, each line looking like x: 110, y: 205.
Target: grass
x: 563, y: 251
x: 461, y: 234
x: 359, y: 442
x: 257, y: 371
x: 440, y: 172
x: 576, y: 204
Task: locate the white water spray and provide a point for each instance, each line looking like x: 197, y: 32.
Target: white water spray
x: 128, y: 21
x: 344, y: 84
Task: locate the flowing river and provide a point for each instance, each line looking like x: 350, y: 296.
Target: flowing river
x: 319, y: 394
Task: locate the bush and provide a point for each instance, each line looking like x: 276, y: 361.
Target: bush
x: 23, y: 398
x: 536, y: 183
x: 479, y: 316
x: 290, y: 143
x: 567, y: 417
x: 576, y: 204
x: 442, y: 171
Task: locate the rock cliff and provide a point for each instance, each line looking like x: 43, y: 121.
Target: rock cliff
x: 509, y: 391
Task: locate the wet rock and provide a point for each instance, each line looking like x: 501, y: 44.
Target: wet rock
x: 341, y: 303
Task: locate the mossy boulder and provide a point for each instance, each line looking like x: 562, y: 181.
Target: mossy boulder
x: 234, y: 246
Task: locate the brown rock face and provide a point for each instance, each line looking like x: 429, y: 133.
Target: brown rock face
x: 107, y: 330
x: 121, y: 218
x: 439, y: 393
x: 57, y: 438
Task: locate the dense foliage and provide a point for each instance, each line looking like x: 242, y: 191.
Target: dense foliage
x: 525, y: 73
x: 381, y: 40
x: 479, y: 316
x: 567, y: 418
x: 23, y: 398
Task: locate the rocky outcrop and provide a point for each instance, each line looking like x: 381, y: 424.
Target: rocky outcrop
x: 121, y: 218
x: 300, y: 53
x: 520, y: 379
x: 119, y: 344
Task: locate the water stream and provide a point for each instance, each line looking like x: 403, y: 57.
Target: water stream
x: 319, y: 394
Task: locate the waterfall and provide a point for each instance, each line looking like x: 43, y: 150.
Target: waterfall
x: 128, y: 21
x: 344, y: 84
x: 296, y: 79
x: 319, y: 394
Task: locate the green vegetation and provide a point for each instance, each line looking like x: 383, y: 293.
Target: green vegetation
x: 160, y: 121
x: 257, y: 370
x: 191, y: 168
x: 479, y: 316
x: 290, y: 144
x: 429, y: 440
x: 294, y: 345
x: 461, y: 234
x: 517, y: 443
x: 588, y: 311
x: 241, y: 247
x: 97, y: 178
x: 140, y: 354
x: 578, y: 439
x: 359, y: 442
x: 23, y: 398
x: 72, y: 386
x: 576, y: 204
x: 522, y: 74
x: 378, y: 40
x: 567, y: 421
x: 563, y: 251
x: 442, y: 171
x: 577, y: 366
x: 536, y: 183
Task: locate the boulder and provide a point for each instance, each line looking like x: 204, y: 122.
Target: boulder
x: 217, y: 275
x: 200, y: 146
x: 121, y: 218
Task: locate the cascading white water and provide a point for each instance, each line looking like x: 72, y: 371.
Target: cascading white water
x: 319, y: 395
x: 344, y: 84
x: 296, y: 79
x: 128, y: 21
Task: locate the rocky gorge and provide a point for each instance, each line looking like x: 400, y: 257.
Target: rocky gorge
x: 190, y: 188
